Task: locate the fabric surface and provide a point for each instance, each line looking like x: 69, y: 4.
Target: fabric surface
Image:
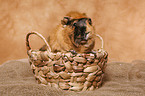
x: 121, y: 79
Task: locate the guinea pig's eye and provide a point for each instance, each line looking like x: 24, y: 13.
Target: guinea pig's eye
x: 74, y: 24
x: 90, y: 21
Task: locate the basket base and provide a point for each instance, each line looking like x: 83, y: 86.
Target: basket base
x: 69, y: 71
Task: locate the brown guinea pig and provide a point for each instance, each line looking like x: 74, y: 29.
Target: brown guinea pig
x: 74, y: 33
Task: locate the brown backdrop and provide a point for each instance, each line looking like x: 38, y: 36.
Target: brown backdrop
x: 120, y: 22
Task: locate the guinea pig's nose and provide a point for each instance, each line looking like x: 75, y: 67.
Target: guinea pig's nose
x: 81, y: 24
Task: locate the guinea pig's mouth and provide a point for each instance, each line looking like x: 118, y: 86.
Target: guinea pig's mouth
x: 80, y: 40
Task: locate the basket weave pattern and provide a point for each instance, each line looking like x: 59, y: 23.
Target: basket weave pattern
x: 67, y: 70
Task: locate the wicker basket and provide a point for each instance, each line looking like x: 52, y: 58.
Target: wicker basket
x: 69, y: 70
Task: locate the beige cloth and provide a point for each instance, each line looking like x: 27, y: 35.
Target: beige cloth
x: 121, y: 79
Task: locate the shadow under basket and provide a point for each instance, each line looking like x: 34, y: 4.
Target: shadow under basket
x: 67, y: 70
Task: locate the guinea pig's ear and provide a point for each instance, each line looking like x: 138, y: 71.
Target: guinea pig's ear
x: 65, y: 21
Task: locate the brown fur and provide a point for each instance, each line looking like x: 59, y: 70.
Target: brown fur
x: 60, y: 40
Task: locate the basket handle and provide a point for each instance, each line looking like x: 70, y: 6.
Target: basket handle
x: 102, y: 45
x: 102, y: 41
x: 49, y: 49
x: 39, y: 35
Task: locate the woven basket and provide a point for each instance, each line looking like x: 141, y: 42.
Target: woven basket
x: 68, y: 70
